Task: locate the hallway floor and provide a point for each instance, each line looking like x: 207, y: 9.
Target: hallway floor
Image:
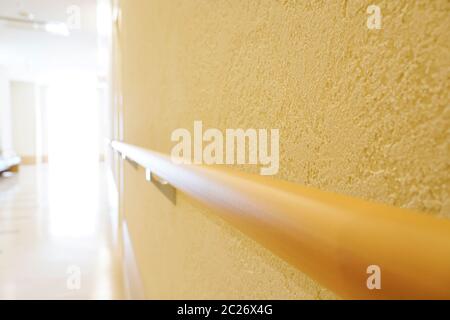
x: 56, y: 239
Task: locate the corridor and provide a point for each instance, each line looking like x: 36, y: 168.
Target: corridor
x: 52, y: 234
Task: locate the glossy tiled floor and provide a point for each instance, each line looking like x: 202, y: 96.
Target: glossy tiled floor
x: 56, y: 239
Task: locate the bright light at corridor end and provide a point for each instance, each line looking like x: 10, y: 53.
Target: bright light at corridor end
x: 57, y: 28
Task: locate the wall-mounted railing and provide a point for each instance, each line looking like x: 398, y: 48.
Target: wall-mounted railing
x: 345, y: 244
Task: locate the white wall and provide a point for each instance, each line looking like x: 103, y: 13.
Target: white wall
x: 5, y: 113
x: 41, y: 114
x: 23, y: 103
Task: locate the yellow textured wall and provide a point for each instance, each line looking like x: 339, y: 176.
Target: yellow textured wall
x: 360, y: 112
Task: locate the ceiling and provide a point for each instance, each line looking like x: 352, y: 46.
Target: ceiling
x: 35, y: 54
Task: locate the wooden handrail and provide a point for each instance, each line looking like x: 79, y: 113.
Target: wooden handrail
x: 330, y: 237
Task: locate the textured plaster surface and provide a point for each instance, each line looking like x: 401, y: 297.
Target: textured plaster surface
x: 361, y: 112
